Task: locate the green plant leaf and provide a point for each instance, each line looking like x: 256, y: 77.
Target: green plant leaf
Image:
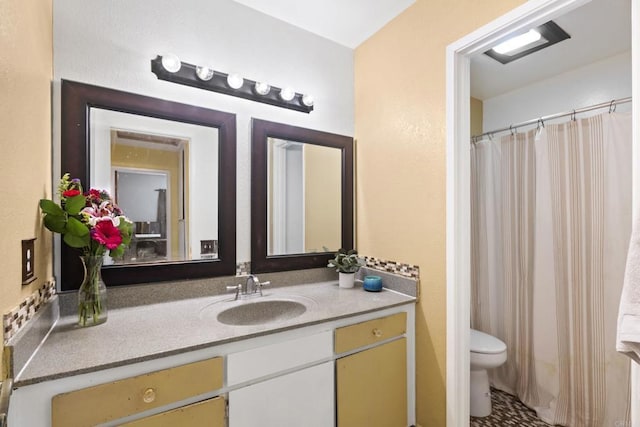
x: 55, y: 223
x: 74, y: 204
x: 76, y: 241
x: 49, y: 207
x: 77, y: 228
x: 117, y: 252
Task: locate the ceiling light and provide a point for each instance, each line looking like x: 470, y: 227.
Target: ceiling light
x: 204, y: 73
x: 235, y: 81
x: 171, y: 63
x: 535, y: 39
x: 287, y: 94
x: 262, y: 88
x: 517, y: 42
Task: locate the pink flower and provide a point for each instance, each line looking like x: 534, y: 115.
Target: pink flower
x: 106, y: 234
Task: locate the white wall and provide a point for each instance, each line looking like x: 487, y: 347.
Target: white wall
x: 598, y: 82
x: 110, y: 43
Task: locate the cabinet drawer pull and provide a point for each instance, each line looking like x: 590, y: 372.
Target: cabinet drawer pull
x: 377, y: 332
x: 149, y: 395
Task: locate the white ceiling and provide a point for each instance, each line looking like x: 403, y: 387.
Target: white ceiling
x: 598, y: 30
x: 348, y: 22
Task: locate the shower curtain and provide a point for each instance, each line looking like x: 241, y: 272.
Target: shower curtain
x: 551, y: 219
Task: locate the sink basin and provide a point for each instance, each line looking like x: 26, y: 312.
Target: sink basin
x: 259, y: 312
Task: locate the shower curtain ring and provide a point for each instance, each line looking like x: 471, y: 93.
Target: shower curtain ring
x: 573, y: 116
x: 512, y: 130
x: 540, y: 123
x: 612, y: 106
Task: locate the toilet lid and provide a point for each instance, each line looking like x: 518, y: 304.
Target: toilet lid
x: 485, y: 343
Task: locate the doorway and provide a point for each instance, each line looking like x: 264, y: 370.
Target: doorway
x: 530, y: 14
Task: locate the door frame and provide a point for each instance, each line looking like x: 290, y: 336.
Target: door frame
x: 530, y: 14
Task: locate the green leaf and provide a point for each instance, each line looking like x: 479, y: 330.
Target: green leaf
x: 75, y: 204
x: 49, y: 207
x: 76, y: 228
x: 76, y: 241
x: 55, y: 223
x: 117, y: 252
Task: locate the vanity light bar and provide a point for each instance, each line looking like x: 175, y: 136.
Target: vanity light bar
x: 187, y: 74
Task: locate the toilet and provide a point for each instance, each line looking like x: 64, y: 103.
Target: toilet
x: 487, y: 352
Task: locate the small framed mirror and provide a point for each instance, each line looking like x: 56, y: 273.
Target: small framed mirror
x: 171, y: 167
x: 301, y: 196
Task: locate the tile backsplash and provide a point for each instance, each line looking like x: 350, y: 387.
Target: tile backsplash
x: 16, y: 318
x: 394, y: 267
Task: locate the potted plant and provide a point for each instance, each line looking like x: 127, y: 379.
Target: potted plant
x: 346, y: 264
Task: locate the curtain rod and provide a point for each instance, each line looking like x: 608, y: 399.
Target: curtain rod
x: 611, y: 104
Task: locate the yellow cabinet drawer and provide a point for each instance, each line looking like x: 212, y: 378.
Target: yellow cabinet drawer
x: 370, y: 332
x: 208, y: 413
x: 105, y: 402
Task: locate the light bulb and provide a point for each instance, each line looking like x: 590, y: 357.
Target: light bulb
x: 307, y: 100
x: 517, y: 42
x: 204, y: 73
x: 287, y: 94
x: 171, y: 63
x: 235, y: 81
x: 262, y: 88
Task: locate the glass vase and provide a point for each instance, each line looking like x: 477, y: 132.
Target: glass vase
x: 92, y: 295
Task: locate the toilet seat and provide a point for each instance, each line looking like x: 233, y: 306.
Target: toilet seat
x: 481, y: 342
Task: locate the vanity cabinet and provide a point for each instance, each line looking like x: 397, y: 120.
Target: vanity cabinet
x: 119, y: 399
x: 371, y: 380
x: 351, y: 371
x: 290, y: 383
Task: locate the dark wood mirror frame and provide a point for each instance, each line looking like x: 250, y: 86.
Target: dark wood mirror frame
x: 261, y: 130
x: 77, y: 100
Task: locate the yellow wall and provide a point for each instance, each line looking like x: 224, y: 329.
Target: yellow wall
x: 26, y: 68
x: 400, y: 101
x: 476, y: 116
x: 323, y: 207
x: 128, y: 156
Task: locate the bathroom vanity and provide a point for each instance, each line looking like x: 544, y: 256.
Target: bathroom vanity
x: 347, y: 360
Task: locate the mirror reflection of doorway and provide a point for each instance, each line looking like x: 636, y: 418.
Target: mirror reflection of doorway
x: 143, y: 195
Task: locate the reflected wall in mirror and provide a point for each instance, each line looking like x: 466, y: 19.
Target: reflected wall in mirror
x: 171, y: 167
x: 153, y: 166
x: 301, y: 196
x: 304, y: 197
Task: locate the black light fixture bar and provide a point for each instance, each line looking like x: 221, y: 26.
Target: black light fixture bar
x: 186, y: 75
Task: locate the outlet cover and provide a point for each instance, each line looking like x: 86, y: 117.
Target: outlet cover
x: 28, y: 261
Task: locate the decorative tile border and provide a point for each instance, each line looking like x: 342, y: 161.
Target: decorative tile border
x: 15, y: 319
x: 406, y: 270
x: 243, y: 268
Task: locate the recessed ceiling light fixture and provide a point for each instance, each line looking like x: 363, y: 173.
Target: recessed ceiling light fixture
x: 518, y: 42
x: 525, y: 44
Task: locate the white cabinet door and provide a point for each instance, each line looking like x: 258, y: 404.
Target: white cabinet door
x: 302, y: 398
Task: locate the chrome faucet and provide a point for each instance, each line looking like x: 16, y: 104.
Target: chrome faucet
x: 251, y: 286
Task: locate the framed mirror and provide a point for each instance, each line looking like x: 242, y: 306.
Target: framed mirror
x: 171, y: 167
x: 301, y: 196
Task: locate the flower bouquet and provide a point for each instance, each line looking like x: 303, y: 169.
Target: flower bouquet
x: 92, y: 222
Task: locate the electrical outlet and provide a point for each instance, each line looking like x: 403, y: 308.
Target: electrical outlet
x: 28, y: 261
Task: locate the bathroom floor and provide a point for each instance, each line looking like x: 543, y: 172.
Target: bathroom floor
x: 507, y: 410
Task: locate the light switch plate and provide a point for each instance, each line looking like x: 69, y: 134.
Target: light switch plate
x: 28, y: 261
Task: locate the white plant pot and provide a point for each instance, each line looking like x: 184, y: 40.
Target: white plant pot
x: 346, y: 280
